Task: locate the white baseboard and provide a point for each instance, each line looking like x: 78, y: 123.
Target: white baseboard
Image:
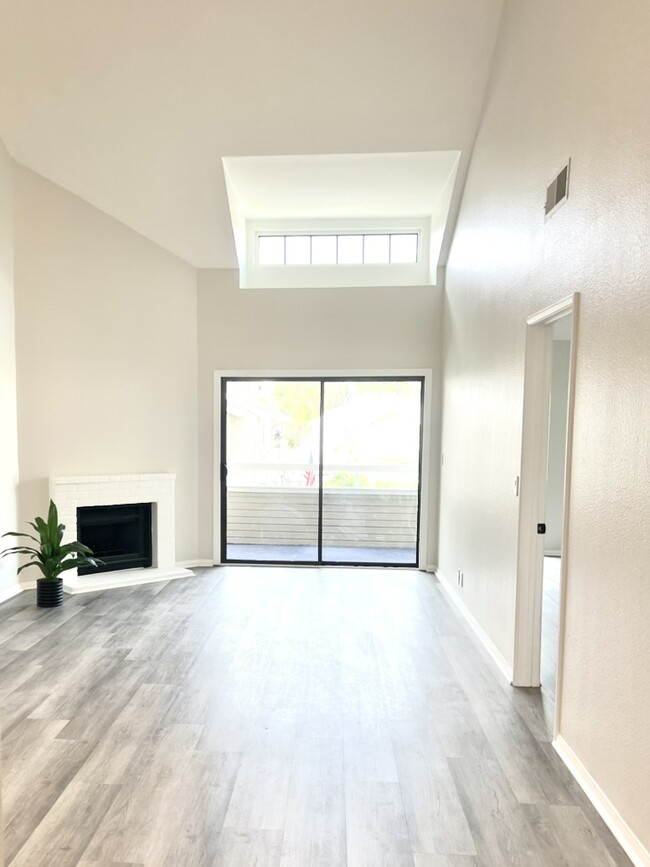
x: 122, y: 578
x: 499, y: 659
x: 10, y: 592
x: 634, y: 848
x: 431, y: 568
x: 196, y: 564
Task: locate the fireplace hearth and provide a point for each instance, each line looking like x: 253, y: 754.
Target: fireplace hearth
x: 120, y: 535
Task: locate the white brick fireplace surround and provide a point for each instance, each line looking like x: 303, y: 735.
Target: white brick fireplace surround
x: 70, y: 492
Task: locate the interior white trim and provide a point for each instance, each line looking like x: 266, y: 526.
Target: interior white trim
x: 426, y: 373
x: 532, y: 505
x: 564, y: 563
x: 634, y: 848
x: 553, y: 312
x: 195, y: 564
x: 497, y: 657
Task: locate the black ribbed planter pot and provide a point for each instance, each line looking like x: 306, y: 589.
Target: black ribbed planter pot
x: 49, y: 594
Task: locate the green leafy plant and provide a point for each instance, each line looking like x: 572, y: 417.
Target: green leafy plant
x: 51, y: 556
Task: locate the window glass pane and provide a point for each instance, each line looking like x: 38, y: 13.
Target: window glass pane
x: 375, y: 249
x: 272, y: 453
x: 271, y: 249
x: 350, y: 250
x: 298, y: 250
x: 323, y: 250
x: 403, y: 249
x: 371, y: 452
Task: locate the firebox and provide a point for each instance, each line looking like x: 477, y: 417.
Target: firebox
x: 121, y: 536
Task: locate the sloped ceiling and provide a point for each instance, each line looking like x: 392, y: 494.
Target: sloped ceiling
x: 131, y: 104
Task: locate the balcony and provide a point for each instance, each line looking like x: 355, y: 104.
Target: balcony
x: 360, y: 524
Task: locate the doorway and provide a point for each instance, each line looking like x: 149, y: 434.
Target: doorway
x: 554, y: 511
x: 321, y: 470
x: 544, y: 496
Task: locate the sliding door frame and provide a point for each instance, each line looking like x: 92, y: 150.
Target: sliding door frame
x: 219, y: 444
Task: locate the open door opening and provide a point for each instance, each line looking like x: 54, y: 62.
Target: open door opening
x: 554, y: 511
x: 544, y: 500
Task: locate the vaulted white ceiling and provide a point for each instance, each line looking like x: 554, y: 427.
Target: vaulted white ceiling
x: 131, y: 104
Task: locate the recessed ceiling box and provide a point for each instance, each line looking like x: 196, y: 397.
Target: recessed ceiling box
x: 380, y: 200
x: 557, y: 191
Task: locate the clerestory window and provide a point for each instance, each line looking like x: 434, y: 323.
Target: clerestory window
x: 392, y: 248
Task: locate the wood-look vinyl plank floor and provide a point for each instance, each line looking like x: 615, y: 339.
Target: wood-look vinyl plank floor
x: 272, y: 717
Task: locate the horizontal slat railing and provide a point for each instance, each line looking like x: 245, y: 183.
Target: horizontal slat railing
x: 352, y: 517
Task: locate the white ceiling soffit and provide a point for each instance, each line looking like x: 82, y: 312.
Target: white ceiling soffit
x: 344, y: 191
x: 132, y: 105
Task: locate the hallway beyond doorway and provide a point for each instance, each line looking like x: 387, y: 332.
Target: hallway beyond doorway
x: 550, y: 637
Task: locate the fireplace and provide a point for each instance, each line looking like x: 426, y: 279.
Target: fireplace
x: 76, y: 493
x: 120, y: 535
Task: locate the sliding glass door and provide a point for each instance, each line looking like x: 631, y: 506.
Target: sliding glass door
x: 323, y: 470
x: 371, y: 471
x: 270, y: 496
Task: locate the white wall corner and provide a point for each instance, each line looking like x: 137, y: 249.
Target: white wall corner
x: 11, y: 591
x: 497, y: 657
x: 634, y: 848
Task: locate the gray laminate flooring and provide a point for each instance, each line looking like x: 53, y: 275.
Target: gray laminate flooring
x: 270, y: 717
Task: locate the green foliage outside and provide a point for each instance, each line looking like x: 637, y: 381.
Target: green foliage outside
x: 347, y: 480
x: 299, y: 402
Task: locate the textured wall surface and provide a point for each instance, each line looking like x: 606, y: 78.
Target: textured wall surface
x: 8, y: 422
x: 8, y: 404
x: 570, y: 80
x: 310, y: 329
x: 106, y: 351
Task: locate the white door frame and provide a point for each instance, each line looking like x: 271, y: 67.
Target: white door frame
x: 425, y: 373
x: 532, y: 501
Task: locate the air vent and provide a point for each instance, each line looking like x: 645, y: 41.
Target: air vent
x: 557, y: 191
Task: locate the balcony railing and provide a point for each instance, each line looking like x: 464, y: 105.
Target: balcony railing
x: 285, y: 511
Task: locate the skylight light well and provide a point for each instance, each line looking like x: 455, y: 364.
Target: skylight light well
x: 318, y: 221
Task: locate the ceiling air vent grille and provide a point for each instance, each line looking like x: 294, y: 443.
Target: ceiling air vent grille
x: 557, y: 191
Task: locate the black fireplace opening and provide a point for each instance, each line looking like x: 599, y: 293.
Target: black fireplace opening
x: 119, y: 535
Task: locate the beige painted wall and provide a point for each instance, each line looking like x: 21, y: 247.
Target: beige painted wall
x: 8, y: 423
x: 570, y: 79
x: 8, y: 407
x: 309, y: 329
x: 106, y: 351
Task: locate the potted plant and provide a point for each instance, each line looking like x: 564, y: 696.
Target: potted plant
x: 51, y: 556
